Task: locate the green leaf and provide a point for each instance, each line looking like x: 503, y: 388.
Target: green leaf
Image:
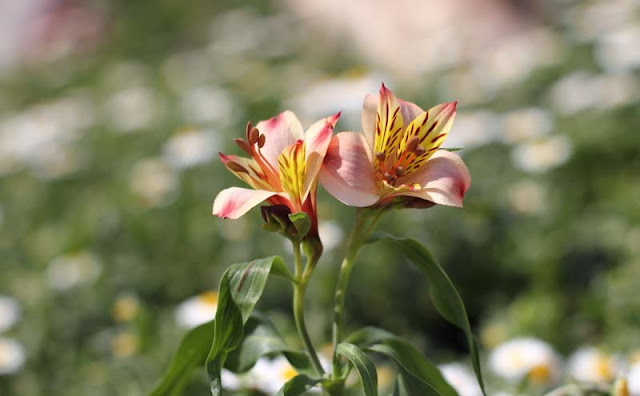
x: 363, y: 364
x: 191, y: 353
x: 367, y: 336
x: 444, y: 295
x: 240, y: 289
x: 417, y: 376
x: 261, y: 338
x: 298, y: 385
x: 301, y: 222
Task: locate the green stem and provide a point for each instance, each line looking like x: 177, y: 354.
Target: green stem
x: 298, y: 307
x: 366, y: 221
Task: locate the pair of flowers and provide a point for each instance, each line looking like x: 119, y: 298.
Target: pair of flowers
x: 396, y: 161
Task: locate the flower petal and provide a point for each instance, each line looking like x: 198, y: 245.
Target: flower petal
x: 369, y: 113
x: 235, y: 201
x: 316, y: 141
x: 246, y: 170
x: 444, y: 179
x: 409, y: 111
x: 389, y: 125
x: 431, y: 128
x: 279, y: 132
x: 347, y: 173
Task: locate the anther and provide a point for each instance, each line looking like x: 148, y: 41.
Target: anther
x: 243, y: 145
x: 249, y: 128
x: 254, y: 135
x: 380, y: 156
x: 419, y: 151
x: 412, y: 144
x: 399, y: 171
x: 234, y: 166
x: 261, y: 140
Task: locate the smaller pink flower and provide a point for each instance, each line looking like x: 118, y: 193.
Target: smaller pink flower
x: 282, y: 169
x: 398, y: 156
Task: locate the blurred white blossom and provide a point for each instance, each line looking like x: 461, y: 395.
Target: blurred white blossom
x: 543, y: 154
x: 527, y: 197
x: 9, y: 312
x: 12, y: 355
x: 73, y: 269
x: 473, y: 129
x: 197, y: 310
x: 131, y: 109
x: 331, y: 234
x: 528, y: 358
x: 526, y: 123
x: 619, y: 50
x: 153, y: 181
x: 207, y: 104
x: 592, y: 365
x: 633, y: 378
x: 190, y: 147
x: 591, y: 20
x: 460, y: 377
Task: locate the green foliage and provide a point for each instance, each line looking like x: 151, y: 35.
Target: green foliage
x: 363, y: 364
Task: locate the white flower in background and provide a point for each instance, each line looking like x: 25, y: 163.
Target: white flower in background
x: 73, y: 269
x: 619, y: 50
x: 56, y: 161
x: 591, y: 20
x: 189, y: 148
x: 197, y: 310
x: 526, y: 123
x: 269, y: 376
x: 527, y: 197
x: 234, y: 382
x: 9, y: 312
x: 331, y: 234
x: 473, y: 129
x: 12, y: 355
x: 633, y: 378
x: 542, y: 155
x: 184, y: 70
x: 594, y: 366
x: 153, y: 181
x: 207, y: 104
x: 582, y: 90
x: 131, y: 109
x: 525, y: 357
x: 460, y: 377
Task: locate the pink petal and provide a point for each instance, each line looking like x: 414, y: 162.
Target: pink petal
x: 444, y: 179
x: 235, y: 201
x: 369, y: 113
x: 317, y: 140
x: 347, y: 173
x: 409, y: 111
x: 279, y: 132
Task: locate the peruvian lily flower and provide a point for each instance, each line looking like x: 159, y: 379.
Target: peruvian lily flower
x: 282, y: 169
x: 397, y: 159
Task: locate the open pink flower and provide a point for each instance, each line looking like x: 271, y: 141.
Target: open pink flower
x: 397, y: 156
x: 283, y: 168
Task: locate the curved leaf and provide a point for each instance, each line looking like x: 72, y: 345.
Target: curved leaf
x: 262, y: 338
x: 444, y: 295
x: 298, y: 385
x: 367, y: 336
x: 417, y: 376
x: 302, y: 223
x: 363, y: 364
x: 240, y: 289
x: 191, y: 353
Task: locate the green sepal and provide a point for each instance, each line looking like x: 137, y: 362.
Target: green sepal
x: 191, y: 353
x: 302, y: 224
x: 443, y: 293
x: 363, y: 364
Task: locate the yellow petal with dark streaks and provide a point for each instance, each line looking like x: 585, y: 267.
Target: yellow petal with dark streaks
x: 292, y: 168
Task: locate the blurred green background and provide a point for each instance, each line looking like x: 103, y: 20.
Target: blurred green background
x: 112, y: 114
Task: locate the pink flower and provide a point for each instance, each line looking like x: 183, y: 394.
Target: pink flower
x: 397, y: 157
x: 283, y: 168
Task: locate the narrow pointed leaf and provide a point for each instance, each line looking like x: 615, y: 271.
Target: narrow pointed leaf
x: 298, y: 386
x: 444, y: 295
x: 363, y: 364
x: 240, y: 289
x: 367, y: 336
x: 191, y: 353
x: 417, y: 376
